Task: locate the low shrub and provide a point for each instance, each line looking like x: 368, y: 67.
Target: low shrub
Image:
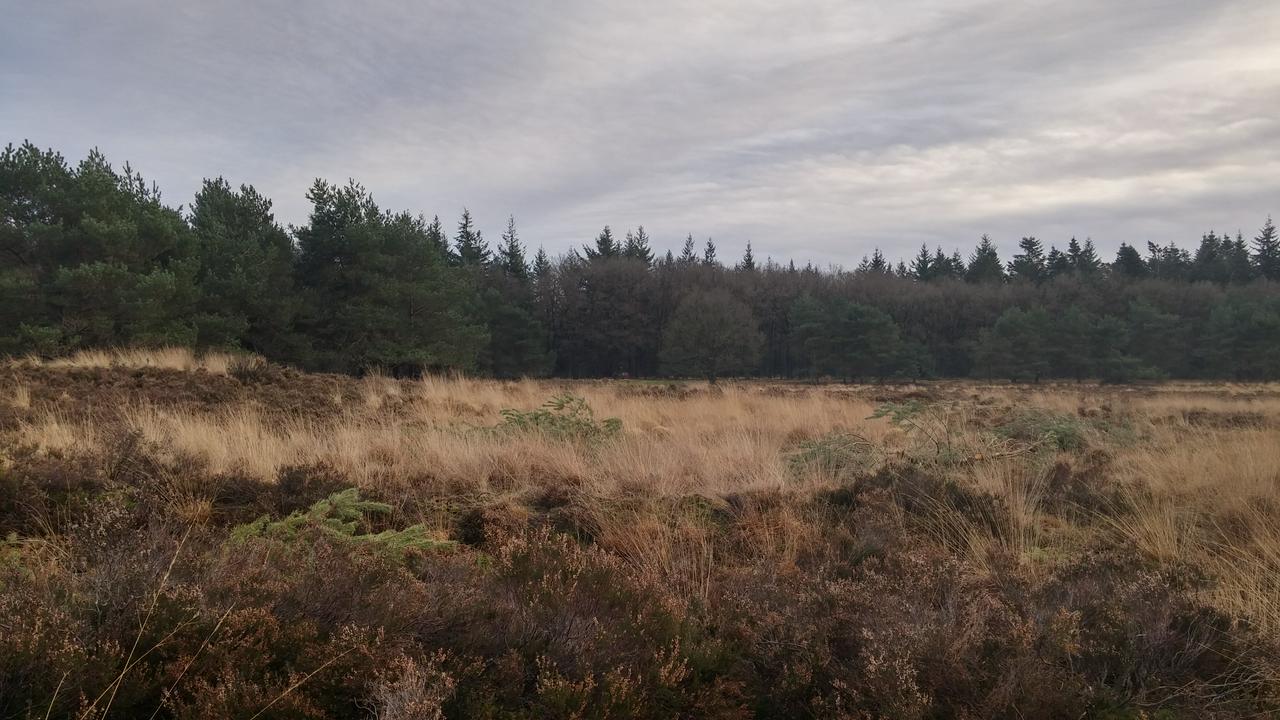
x: 563, y: 417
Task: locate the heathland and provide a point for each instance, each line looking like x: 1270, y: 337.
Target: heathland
x: 216, y: 536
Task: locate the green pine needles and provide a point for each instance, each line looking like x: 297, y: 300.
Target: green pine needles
x: 340, y: 516
x: 563, y: 417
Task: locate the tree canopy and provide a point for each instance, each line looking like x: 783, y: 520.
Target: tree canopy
x: 91, y: 256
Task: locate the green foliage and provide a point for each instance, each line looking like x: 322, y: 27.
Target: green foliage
x: 838, y: 455
x: 936, y: 426
x: 1065, y: 432
x: 378, y: 294
x: 90, y: 257
x: 712, y: 334
x: 848, y: 340
x: 340, y: 516
x: 563, y: 417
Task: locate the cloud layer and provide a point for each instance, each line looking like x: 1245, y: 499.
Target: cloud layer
x: 816, y: 130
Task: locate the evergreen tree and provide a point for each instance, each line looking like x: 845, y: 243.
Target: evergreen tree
x: 922, y: 267
x: 1029, y: 265
x: 376, y: 292
x: 1129, y: 263
x: 510, y: 258
x: 1015, y: 347
x: 1068, y: 343
x: 1266, y: 251
x: 1084, y: 259
x: 637, y: 246
x: 748, y: 263
x: 1209, y: 263
x: 947, y: 268
x: 438, y: 240
x: 876, y: 265
x: 1169, y: 262
x: 469, y: 245
x: 245, y: 273
x: 984, y: 264
x: 1057, y: 264
x: 687, y: 255
x: 1237, y: 265
x: 605, y: 248
x: 845, y: 339
x: 712, y: 334
x: 709, y: 253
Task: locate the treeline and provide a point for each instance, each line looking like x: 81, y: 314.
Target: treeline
x: 90, y: 256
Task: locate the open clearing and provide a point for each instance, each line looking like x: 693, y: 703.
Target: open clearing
x: 181, y: 537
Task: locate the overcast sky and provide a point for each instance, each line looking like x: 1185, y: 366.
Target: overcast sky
x: 817, y: 130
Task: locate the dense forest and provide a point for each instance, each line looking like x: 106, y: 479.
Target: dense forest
x: 90, y: 256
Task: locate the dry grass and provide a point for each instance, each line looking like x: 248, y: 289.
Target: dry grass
x: 170, y: 358
x: 700, y: 498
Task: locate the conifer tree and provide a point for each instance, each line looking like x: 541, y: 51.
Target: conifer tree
x: 1087, y: 261
x: 469, y: 245
x: 922, y: 267
x: 984, y: 264
x: 1057, y: 264
x: 1237, y: 265
x: 1029, y: 265
x: 605, y: 248
x: 510, y: 258
x: 1129, y: 263
x: 687, y: 255
x: 1266, y: 251
x: 436, y: 237
x: 1209, y: 262
x: 748, y: 263
x: 637, y: 246
x: 709, y: 253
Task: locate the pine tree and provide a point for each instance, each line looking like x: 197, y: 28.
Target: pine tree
x: 687, y: 255
x: 1029, y: 265
x: 510, y: 258
x: 436, y: 237
x: 246, y: 272
x: 1237, y: 264
x: 605, y: 248
x: 1087, y: 263
x: 748, y: 263
x: 1057, y: 264
x: 1209, y: 264
x: 469, y: 244
x: 875, y: 265
x: 637, y: 246
x: 922, y: 267
x: 709, y: 253
x: 1168, y: 262
x: 1129, y: 263
x: 1266, y: 251
x: 984, y: 264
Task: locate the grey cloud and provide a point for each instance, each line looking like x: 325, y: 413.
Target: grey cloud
x: 814, y: 129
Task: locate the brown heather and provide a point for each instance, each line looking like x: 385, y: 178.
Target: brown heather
x: 747, y: 550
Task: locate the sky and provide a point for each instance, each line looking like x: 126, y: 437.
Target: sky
x: 817, y: 130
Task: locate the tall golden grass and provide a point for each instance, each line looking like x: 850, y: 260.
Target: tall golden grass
x: 1191, y: 491
x: 169, y: 358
